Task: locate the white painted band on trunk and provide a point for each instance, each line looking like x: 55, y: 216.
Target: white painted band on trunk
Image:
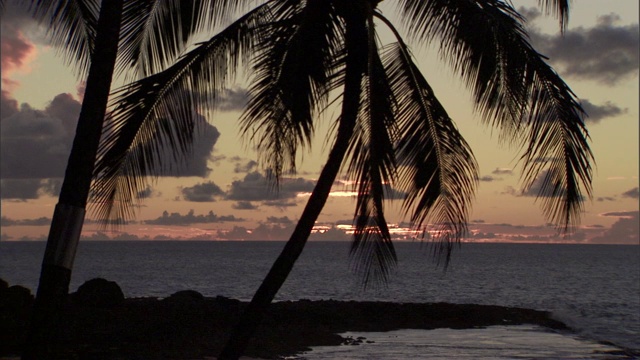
x: 64, y: 235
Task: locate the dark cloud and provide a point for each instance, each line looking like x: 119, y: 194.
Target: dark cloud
x: 255, y: 187
x: 606, y: 198
x: 190, y: 218
x: 8, y: 105
x: 37, y: 143
x: 228, y: 100
x: 196, y: 162
x: 530, y: 14
x: 606, y: 52
x: 51, y: 187
x: 633, y: 193
x: 121, y: 236
x: 244, y: 205
x: 534, y: 190
x: 237, y: 233
x: 624, y: 231
x: 488, y: 178
x: 502, y: 171
x: 25, y: 189
x: 67, y: 109
x: 204, y: 192
x: 28, y: 189
x: 598, y: 112
x: 244, y: 168
x: 16, y: 19
x: 281, y: 204
x: 536, y: 187
x: 261, y: 232
x: 232, y: 100
x: 148, y: 192
x: 42, y: 221
x: 279, y: 220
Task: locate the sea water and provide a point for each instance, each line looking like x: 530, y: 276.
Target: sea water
x: 592, y: 288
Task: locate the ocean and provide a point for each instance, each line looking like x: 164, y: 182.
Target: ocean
x: 594, y: 289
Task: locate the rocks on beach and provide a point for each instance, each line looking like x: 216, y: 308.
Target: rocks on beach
x: 98, y: 292
x: 99, y: 322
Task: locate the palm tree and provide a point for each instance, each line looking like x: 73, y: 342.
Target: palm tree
x: 100, y: 37
x: 392, y: 130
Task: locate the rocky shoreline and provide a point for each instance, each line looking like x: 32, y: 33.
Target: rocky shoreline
x: 101, y: 324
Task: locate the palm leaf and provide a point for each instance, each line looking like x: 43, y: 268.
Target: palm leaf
x: 437, y: 167
x: 292, y: 79
x: 372, y: 167
x: 558, y: 8
x: 160, y: 112
x: 558, y: 151
x: 71, y: 28
x: 155, y: 32
x: 515, y: 90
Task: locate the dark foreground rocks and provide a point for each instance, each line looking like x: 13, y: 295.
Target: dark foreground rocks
x: 187, y: 325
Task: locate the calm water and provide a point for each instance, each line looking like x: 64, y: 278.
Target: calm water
x: 593, y: 288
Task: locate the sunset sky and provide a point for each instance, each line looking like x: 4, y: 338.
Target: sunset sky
x: 222, y: 193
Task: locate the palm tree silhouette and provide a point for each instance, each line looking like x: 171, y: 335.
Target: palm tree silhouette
x: 98, y: 38
x: 391, y: 131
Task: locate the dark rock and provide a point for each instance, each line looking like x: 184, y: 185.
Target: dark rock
x: 98, y: 293
x: 146, y: 328
x: 185, y: 296
x: 15, y: 297
x: 225, y: 301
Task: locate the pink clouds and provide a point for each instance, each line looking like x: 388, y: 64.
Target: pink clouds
x: 17, y: 53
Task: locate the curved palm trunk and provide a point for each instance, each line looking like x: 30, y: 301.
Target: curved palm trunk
x: 255, y: 311
x: 68, y: 215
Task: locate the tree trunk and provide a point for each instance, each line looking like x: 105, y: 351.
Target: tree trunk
x: 68, y: 215
x: 255, y: 311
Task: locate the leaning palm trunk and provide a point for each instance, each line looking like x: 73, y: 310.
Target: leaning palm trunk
x: 68, y: 215
x: 283, y: 265
x: 255, y: 311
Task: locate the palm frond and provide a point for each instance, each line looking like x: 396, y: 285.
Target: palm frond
x: 155, y: 32
x: 481, y: 42
x: 558, y: 151
x: 515, y: 90
x: 293, y: 72
x: 372, y: 167
x: 160, y: 112
x: 71, y: 27
x: 559, y: 9
x: 436, y: 163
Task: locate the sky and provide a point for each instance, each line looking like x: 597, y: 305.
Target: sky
x: 222, y: 193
